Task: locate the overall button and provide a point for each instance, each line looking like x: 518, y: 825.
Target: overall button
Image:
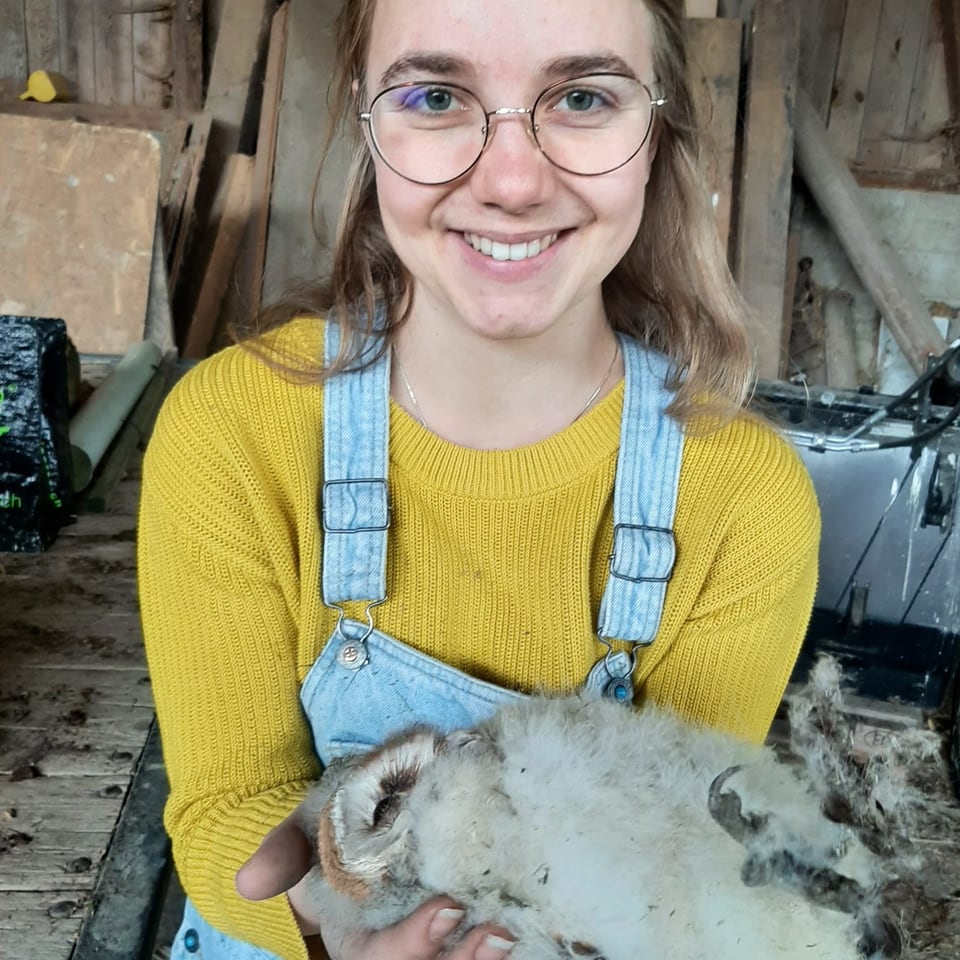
x: 191, y: 941
x: 352, y: 655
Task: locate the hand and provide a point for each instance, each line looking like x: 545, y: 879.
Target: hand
x: 421, y: 936
x: 280, y: 865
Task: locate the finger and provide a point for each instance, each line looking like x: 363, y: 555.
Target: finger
x: 425, y: 935
x: 420, y: 936
x: 484, y: 942
x: 278, y: 863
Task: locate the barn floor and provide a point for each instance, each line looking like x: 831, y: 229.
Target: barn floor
x: 75, y: 718
x: 75, y: 713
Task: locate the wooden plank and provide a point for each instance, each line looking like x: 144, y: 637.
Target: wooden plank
x: 839, y: 349
x: 878, y: 265
x: 231, y: 215
x: 950, y: 32
x: 85, y: 206
x: 926, y: 141
x: 898, y: 44
x: 187, y: 45
x: 100, y: 114
x: 714, y: 64
x: 301, y: 233
x: 113, y: 53
x: 234, y: 74
x: 62, y: 753
x: 13, y: 48
x: 767, y: 170
x: 66, y: 818
x: 821, y: 28
x: 73, y: 703
x: 254, y: 253
x: 180, y: 233
x: 128, y: 899
x: 77, y: 46
x: 36, y: 925
x: 700, y: 8
x: 854, y: 66
x: 43, y: 35
x: 152, y: 58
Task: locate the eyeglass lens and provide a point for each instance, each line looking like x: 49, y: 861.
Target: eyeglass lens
x: 434, y: 132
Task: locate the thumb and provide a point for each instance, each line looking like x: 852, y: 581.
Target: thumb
x: 283, y: 857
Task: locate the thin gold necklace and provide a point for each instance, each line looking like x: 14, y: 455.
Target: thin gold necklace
x: 593, y: 396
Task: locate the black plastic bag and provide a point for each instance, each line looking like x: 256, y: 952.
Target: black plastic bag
x: 35, y: 464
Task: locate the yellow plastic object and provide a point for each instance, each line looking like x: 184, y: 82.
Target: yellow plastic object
x: 46, y: 86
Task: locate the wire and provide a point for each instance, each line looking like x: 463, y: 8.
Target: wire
x: 924, y: 435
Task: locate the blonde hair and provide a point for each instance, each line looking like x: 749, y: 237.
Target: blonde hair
x: 672, y: 289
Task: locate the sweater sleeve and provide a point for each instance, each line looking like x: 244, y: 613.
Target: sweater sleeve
x: 744, y: 584
x: 217, y: 555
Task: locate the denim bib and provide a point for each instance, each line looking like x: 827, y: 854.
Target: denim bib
x: 366, y: 685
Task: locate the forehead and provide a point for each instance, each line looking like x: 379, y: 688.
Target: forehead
x: 508, y: 41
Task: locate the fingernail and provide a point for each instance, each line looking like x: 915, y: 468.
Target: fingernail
x: 494, y: 947
x: 444, y: 922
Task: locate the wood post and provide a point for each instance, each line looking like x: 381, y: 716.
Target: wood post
x: 763, y: 218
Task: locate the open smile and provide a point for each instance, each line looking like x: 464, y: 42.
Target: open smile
x: 497, y: 250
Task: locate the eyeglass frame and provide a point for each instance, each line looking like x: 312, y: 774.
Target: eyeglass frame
x: 366, y: 116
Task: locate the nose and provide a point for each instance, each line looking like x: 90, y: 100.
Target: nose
x: 512, y: 173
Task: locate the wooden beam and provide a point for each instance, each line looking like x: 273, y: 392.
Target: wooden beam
x: 820, y: 33
x: 230, y: 214
x: 254, y: 254
x: 301, y: 232
x: 187, y: 42
x: 13, y: 50
x: 766, y: 184
x: 878, y: 265
x: 839, y: 344
x: 852, y: 81
x: 714, y: 67
x: 950, y: 23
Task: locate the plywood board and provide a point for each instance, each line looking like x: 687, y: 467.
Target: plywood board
x: 78, y: 206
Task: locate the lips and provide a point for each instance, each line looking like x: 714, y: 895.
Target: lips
x: 498, y: 250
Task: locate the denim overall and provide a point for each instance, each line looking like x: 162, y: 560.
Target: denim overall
x: 365, y: 685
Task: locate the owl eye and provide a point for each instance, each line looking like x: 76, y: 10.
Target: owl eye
x: 385, y: 810
x: 394, y: 786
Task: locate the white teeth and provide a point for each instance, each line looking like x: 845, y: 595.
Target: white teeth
x: 508, y: 251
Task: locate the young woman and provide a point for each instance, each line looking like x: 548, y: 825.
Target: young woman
x: 503, y: 451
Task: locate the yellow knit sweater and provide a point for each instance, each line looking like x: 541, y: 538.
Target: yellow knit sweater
x: 496, y: 565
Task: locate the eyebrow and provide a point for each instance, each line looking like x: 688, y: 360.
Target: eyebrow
x: 447, y: 65
x: 579, y: 65
x: 440, y: 64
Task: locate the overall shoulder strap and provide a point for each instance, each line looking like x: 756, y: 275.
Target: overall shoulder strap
x: 354, y: 506
x: 644, y: 501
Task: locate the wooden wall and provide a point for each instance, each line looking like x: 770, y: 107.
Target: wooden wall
x: 108, y: 54
x: 884, y: 74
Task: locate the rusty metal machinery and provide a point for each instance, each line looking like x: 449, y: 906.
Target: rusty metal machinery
x: 885, y: 471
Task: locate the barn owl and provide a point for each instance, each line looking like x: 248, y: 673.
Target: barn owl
x: 591, y: 831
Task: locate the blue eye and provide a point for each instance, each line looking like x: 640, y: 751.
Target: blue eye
x: 425, y: 99
x: 579, y: 100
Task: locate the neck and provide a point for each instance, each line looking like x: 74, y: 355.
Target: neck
x: 501, y: 394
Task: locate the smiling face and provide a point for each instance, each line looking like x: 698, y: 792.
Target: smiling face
x: 516, y: 247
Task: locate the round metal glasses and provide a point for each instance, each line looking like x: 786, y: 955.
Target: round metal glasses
x: 433, y: 133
